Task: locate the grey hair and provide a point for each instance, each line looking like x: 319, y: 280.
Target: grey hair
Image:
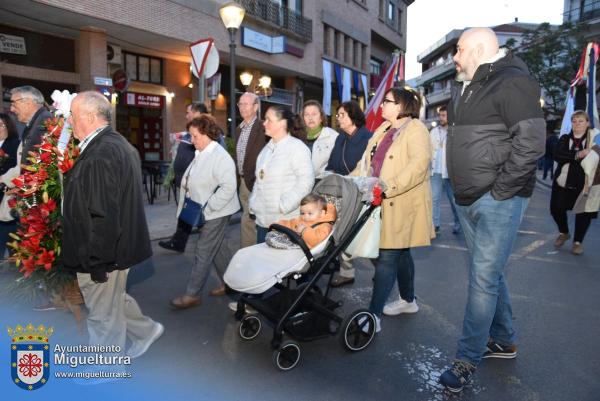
x: 96, y: 103
x: 29, y: 92
x: 255, y: 100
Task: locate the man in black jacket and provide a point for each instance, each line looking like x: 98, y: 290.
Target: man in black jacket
x: 496, y: 135
x: 28, y: 105
x: 104, y: 226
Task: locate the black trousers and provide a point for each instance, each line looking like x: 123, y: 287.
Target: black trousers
x: 182, y: 233
x: 563, y: 200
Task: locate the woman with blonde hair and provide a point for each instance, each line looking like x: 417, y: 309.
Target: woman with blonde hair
x: 569, y: 181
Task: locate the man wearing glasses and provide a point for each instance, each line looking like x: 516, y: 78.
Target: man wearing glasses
x: 28, y: 105
x: 250, y: 138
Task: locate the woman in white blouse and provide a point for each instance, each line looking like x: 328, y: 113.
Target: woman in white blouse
x: 209, y: 180
x: 284, y: 171
x: 319, y: 138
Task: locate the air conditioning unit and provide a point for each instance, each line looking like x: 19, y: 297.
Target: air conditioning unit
x: 113, y: 54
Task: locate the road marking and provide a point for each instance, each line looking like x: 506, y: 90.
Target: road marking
x: 530, y: 248
x: 454, y: 247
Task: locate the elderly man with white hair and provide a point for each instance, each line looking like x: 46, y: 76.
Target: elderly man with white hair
x: 496, y: 134
x: 28, y: 105
x: 104, y: 227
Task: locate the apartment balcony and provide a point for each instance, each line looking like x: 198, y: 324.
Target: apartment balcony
x: 274, y: 15
x: 440, y: 96
x: 439, y: 71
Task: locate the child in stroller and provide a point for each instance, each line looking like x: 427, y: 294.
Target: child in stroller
x: 314, y: 224
x: 284, y: 285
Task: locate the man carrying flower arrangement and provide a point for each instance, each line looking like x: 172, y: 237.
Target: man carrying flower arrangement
x: 104, y: 226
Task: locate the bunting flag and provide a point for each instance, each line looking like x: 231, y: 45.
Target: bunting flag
x: 592, y: 106
x: 327, y: 87
x: 338, y: 79
x: 355, y: 82
x: 373, y: 111
x: 586, y: 76
x: 365, y: 87
x: 346, y: 85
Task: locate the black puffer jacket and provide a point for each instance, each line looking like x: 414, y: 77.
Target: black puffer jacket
x: 104, y: 225
x: 496, y: 132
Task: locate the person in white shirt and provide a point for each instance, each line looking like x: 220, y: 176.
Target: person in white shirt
x: 210, y: 180
x: 439, y: 172
x: 284, y: 171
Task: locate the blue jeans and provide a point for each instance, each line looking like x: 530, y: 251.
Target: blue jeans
x: 392, y: 264
x: 261, y: 233
x: 6, y: 227
x: 490, y: 228
x: 439, y: 185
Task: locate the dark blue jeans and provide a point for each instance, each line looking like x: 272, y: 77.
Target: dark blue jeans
x: 490, y: 228
x: 261, y: 233
x: 392, y: 264
x: 6, y: 227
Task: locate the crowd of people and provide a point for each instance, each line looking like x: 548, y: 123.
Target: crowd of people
x: 482, y: 156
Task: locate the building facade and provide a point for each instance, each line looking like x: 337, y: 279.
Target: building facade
x: 137, y: 53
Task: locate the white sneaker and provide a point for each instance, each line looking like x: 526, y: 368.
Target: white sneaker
x: 233, y: 307
x: 400, y: 306
x: 138, y: 348
x: 367, y: 326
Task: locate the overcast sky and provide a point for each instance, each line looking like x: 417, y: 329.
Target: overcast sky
x: 430, y: 20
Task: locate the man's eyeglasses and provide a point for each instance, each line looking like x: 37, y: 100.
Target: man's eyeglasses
x: 16, y: 100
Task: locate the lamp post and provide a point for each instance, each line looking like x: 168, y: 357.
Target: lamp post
x: 232, y: 15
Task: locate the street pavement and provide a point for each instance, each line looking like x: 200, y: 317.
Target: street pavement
x: 556, y: 305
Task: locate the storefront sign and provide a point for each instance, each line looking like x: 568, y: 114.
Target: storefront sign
x: 144, y: 100
x: 12, y: 44
x: 262, y: 42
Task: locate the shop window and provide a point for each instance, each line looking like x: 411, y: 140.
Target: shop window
x: 144, y: 68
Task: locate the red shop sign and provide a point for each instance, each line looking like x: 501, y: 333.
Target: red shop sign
x: 144, y: 100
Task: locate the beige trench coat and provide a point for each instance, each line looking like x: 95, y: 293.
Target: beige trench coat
x: 406, y: 211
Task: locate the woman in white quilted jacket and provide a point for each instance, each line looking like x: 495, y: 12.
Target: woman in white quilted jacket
x: 284, y: 171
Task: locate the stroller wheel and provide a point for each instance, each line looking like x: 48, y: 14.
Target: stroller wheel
x: 357, y: 330
x: 287, y: 356
x: 250, y: 327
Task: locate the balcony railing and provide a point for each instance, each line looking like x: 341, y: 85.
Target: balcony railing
x: 589, y: 11
x: 436, y: 71
x: 440, y: 96
x: 281, y: 17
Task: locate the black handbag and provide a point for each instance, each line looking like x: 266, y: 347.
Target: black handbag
x: 191, y: 211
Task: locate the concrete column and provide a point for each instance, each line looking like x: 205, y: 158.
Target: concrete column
x: 358, y: 54
x: 349, y: 51
x: 91, y: 56
x: 341, y: 44
x: 330, y: 41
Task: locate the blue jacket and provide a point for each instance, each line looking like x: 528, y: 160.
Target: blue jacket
x: 347, y: 151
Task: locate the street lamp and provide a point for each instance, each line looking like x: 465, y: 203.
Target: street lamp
x: 232, y: 15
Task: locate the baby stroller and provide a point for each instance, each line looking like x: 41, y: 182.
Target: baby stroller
x: 293, y: 299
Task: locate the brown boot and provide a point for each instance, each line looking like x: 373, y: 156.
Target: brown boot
x: 219, y: 291
x: 561, y: 239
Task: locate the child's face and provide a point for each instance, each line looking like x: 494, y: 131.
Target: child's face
x: 311, y: 211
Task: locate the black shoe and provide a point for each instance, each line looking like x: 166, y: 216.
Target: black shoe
x: 437, y: 230
x: 170, y: 246
x: 455, y: 378
x: 340, y: 281
x: 495, y: 350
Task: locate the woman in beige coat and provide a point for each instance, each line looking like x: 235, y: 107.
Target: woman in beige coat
x: 399, y: 154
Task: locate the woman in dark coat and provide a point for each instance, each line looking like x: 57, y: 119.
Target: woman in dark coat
x: 9, y: 140
x: 569, y: 180
x: 348, y: 149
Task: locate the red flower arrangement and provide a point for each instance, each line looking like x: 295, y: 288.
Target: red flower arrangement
x: 37, y: 196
